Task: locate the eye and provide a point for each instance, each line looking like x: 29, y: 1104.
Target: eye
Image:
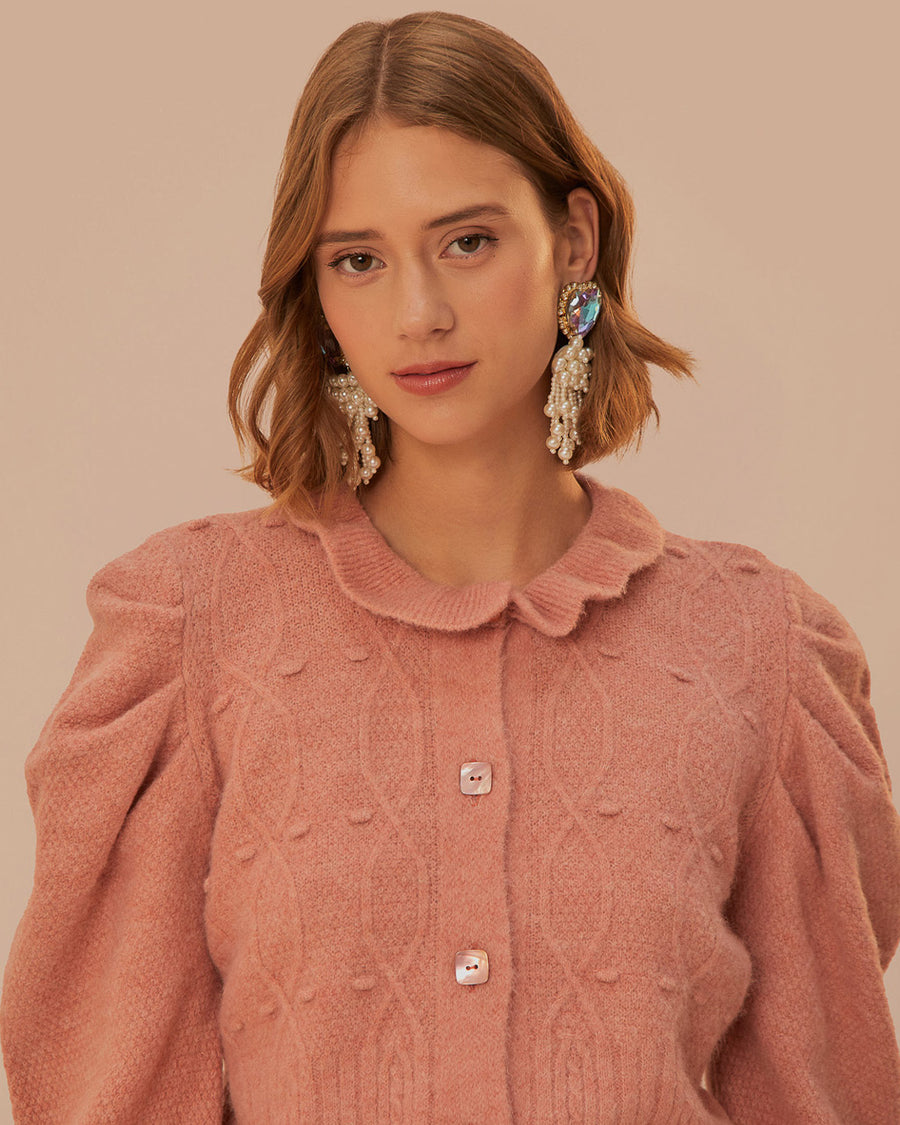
x: 470, y: 239
x: 355, y: 258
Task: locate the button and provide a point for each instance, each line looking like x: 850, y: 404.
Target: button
x: 471, y: 966
x: 475, y: 777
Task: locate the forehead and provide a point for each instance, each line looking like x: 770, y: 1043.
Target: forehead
x: 420, y: 168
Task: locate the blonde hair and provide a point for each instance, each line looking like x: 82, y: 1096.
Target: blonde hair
x: 448, y: 70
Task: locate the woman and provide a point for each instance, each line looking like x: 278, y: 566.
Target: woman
x: 451, y: 787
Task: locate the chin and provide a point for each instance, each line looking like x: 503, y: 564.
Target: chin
x: 445, y: 433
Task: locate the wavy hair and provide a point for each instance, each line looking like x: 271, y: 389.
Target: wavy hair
x: 448, y: 70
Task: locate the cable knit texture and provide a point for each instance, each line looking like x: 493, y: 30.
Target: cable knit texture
x: 255, y: 861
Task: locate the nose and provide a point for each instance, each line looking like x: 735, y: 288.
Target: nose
x: 421, y: 305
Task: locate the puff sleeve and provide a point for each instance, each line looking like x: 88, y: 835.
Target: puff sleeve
x: 816, y: 900
x: 110, y: 998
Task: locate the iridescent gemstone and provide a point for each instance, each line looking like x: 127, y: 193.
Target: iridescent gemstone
x: 582, y: 310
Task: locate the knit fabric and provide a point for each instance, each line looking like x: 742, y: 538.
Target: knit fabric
x: 255, y: 864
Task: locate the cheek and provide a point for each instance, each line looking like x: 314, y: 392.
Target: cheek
x: 521, y: 307
x: 524, y: 290
x: 350, y: 320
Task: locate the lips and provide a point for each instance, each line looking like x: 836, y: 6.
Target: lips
x: 434, y: 366
x: 433, y: 382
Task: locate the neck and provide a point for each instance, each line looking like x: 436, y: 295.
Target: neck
x: 489, y: 514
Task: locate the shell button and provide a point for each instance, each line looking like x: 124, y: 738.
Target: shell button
x: 475, y: 777
x: 471, y: 966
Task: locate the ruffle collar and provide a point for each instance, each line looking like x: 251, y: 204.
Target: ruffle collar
x: 620, y: 537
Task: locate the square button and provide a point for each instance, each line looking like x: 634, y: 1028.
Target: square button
x: 475, y: 777
x: 471, y: 966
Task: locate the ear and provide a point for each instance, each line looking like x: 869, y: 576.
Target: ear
x: 579, y: 248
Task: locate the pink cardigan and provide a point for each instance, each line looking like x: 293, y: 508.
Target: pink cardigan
x: 320, y: 840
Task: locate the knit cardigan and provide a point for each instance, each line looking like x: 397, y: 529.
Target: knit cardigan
x: 297, y: 799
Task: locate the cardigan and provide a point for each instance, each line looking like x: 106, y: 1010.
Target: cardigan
x: 319, y: 839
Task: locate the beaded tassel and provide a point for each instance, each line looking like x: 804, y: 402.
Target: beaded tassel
x: 571, y: 372
x: 359, y: 408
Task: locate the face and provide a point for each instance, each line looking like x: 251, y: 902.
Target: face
x: 404, y: 279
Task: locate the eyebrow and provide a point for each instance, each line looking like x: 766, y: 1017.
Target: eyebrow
x: 461, y: 216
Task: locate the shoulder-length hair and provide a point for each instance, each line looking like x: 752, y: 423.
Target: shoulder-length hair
x: 443, y: 69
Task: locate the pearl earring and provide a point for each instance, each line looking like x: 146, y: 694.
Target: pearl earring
x: 359, y: 408
x: 576, y: 312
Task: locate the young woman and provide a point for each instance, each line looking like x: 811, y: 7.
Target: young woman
x: 449, y: 786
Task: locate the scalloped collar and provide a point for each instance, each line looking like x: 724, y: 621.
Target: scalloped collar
x: 620, y: 537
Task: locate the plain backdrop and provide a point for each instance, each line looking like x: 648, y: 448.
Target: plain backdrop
x: 142, y: 144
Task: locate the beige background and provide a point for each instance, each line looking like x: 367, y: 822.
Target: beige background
x: 142, y: 145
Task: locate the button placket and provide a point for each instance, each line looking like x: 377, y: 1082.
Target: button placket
x: 472, y: 964
x: 471, y: 906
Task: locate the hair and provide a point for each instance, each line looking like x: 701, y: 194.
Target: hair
x: 447, y: 70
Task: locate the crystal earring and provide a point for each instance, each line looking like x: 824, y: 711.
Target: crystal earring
x: 576, y: 312
x: 359, y: 408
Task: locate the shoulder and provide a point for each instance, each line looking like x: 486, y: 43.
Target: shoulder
x: 246, y: 560
x: 717, y: 554
x: 179, y: 545
x: 713, y: 566
x: 774, y: 598
x: 717, y: 577
x: 727, y: 560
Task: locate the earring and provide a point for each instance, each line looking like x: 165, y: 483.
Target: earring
x: 359, y: 408
x: 576, y: 312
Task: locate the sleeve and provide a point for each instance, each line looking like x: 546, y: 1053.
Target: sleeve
x: 110, y: 997
x: 816, y: 900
